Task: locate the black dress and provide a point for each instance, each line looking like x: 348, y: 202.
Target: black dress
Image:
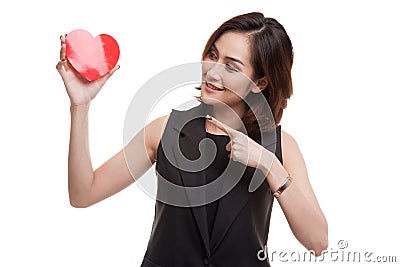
x: 180, y: 233
x: 214, y: 170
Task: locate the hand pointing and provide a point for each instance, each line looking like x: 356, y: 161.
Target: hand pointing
x: 245, y: 150
x: 242, y: 148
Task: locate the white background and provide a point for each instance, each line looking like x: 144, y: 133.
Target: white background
x: 343, y: 115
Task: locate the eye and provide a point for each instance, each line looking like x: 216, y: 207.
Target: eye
x: 212, y: 55
x: 231, y: 68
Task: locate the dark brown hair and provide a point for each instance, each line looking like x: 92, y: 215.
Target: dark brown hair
x: 272, y: 57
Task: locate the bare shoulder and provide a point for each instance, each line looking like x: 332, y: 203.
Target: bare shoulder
x: 159, y: 124
x: 154, y: 131
x: 287, y: 138
x: 294, y: 163
x: 290, y: 149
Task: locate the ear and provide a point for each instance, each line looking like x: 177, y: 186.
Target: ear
x: 261, y: 84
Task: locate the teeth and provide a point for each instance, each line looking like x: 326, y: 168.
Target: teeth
x: 214, y: 87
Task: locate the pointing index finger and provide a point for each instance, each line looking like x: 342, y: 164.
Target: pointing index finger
x: 228, y: 130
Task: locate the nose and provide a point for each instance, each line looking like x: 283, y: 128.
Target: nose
x: 214, y: 73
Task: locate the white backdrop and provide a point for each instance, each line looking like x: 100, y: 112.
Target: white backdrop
x: 343, y: 115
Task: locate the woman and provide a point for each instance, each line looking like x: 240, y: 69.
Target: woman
x: 248, y: 59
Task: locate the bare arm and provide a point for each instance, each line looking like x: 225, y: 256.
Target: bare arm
x: 298, y: 201
x: 87, y: 187
x: 80, y: 171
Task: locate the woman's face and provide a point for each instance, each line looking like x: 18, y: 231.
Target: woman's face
x: 227, y: 69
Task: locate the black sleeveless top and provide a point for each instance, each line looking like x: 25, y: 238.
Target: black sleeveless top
x: 214, y: 170
x: 180, y: 233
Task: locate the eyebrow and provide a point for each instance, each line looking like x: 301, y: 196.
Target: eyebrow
x: 230, y: 58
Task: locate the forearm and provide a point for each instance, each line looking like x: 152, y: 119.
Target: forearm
x: 304, y: 216
x: 80, y: 171
x: 306, y: 223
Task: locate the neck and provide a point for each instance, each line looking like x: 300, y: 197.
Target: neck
x: 230, y: 116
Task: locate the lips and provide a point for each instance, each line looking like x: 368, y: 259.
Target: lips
x: 214, y: 87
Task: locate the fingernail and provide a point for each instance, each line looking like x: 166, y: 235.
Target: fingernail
x: 118, y: 67
x: 208, y: 117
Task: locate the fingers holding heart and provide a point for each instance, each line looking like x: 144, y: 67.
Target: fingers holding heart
x: 63, y: 48
x: 62, y: 63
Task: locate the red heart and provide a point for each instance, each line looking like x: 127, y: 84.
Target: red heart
x: 91, y: 57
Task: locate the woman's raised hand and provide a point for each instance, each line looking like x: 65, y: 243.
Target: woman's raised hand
x: 79, y: 90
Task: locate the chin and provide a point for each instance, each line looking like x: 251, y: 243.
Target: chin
x: 209, y: 100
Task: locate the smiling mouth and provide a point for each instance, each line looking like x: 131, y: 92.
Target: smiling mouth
x: 213, y: 87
